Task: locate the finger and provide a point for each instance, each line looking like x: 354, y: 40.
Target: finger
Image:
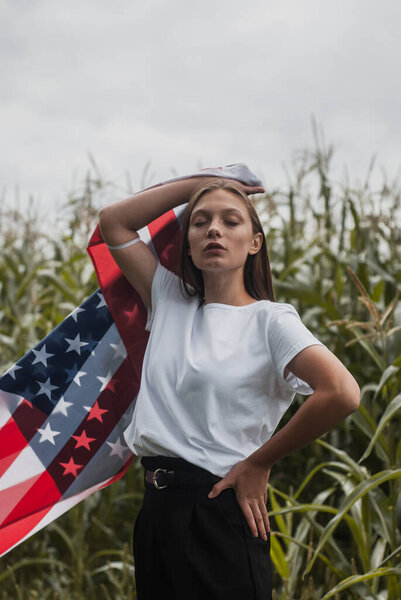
x: 255, y: 190
x: 218, y: 487
x: 261, y: 519
x: 267, y: 514
x: 248, y: 514
x: 215, y: 491
x: 265, y: 517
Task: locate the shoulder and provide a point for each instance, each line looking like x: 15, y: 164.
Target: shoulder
x: 167, y: 280
x: 280, y: 312
x: 282, y: 309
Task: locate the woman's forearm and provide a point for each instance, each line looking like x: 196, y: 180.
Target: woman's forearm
x: 137, y: 211
x: 319, y: 413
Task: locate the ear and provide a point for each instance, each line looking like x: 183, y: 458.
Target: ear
x: 256, y: 243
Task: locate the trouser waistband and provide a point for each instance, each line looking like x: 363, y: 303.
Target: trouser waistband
x: 169, y: 471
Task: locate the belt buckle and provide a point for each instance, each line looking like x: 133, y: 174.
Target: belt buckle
x: 157, y: 486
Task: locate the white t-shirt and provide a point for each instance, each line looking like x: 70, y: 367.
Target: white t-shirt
x: 212, y: 388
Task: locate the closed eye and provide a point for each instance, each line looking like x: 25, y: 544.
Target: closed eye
x: 199, y: 223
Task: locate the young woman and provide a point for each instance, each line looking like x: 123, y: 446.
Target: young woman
x: 222, y: 365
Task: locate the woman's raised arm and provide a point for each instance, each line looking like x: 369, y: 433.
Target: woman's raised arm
x: 119, y: 224
x: 120, y: 220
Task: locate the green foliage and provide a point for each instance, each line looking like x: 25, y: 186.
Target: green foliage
x: 335, y: 506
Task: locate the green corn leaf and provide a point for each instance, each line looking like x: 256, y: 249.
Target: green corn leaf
x: 378, y: 290
x: 297, y: 542
x: 361, y: 490
x: 314, y: 472
x: 385, y: 377
x: 364, y: 421
x: 339, y: 280
x: 368, y: 346
x: 359, y: 472
x: 390, y: 556
x: 33, y: 562
x: 278, y: 558
x: 354, y: 579
x: 275, y: 506
x: 388, y: 414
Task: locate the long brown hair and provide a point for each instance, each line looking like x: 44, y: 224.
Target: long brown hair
x: 257, y: 272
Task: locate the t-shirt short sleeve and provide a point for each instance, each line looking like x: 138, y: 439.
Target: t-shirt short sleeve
x: 162, y: 281
x: 287, y: 336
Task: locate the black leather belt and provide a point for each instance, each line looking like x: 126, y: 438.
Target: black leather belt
x: 162, y: 478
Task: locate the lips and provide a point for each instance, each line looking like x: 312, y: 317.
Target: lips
x: 214, y: 245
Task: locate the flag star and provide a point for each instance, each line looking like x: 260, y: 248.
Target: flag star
x: 83, y: 440
x: 11, y: 370
x: 104, y: 380
x: 75, y: 312
x: 47, y: 434
x: 117, y: 448
x: 95, y: 412
x: 102, y: 300
x: 41, y: 355
x: 119, y: 350
x: 46, y: 388
x: 75, y: 344
x: 78, y: 376
x: 70, y: 467
x: 61, y: 406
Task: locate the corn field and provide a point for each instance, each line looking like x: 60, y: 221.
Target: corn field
x: 335, y: 507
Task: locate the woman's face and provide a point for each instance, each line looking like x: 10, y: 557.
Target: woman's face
x: 221, y: 217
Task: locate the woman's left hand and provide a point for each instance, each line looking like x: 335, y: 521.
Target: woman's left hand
x: 250, y: 484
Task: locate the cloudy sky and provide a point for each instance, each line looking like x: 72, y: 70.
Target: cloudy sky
x: 187, y: 85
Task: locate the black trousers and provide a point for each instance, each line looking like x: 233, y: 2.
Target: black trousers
x: 189, y: 546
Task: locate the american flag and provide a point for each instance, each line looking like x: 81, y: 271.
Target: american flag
x: 65, y: 404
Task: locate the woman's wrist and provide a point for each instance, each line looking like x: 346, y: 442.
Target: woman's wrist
x: 260, y: 459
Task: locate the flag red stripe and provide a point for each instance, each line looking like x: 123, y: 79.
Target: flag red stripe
x: 165, y: 233
x: 15, y: 532
x: 41, y: 496
x: 18, y: 431
x: 7, y: 461
x: 11, y: 438
x: 12, y: 495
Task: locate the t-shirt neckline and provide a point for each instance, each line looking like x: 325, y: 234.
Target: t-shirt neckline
x: 231, y: 306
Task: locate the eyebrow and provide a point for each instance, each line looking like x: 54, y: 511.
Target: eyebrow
x: 202, y: 211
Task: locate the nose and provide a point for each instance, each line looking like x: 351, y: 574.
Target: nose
x: 213, y: 230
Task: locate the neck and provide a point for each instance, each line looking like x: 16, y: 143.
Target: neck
x: 226, y: 288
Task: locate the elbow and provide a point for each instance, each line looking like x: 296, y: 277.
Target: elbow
x: 354, y: 395
x: 353, y: 403
x: 102, y: 216
x: 103, y: 220
x: 344, y: 398
x: 349, y: 398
